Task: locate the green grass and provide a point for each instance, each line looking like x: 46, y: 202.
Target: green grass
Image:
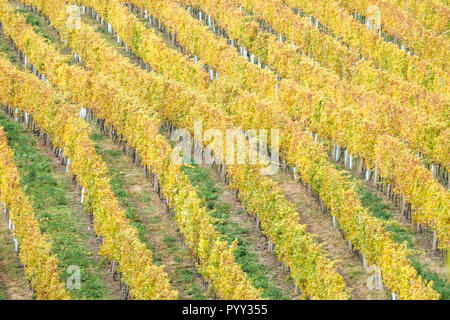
x: 35, y: 22
x: 2, y: 287
x: 102, y: 29
x: 229, y: 231
x: 186, y: 277
x: 117, y: 185
x: 440, y: 285
x: 49, y: 196
x: 6, y: 51
x: 374, y: 203
x: 400, y: 234
x: 380, y: 210
x: 113, y: 159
